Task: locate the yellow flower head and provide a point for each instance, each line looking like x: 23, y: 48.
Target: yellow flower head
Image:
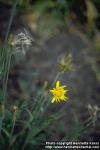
x: 58, y: 93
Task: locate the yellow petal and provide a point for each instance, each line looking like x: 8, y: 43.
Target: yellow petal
x: 53, y: 100
x: 58, y: 100
x: 50, y: 91
x: 57, y: 84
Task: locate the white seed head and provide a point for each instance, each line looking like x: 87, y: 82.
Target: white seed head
x: 22, y: 41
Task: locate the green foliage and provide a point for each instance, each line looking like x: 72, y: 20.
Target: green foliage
x: 30, y: 129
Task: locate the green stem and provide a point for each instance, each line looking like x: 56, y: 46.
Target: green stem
x: 46, y: 98
x: 37, y: 112
x: 9, y: 25
x: 5, y: 56
x: 5, y: 79
x: 56, y: 78
x: 11, y: 135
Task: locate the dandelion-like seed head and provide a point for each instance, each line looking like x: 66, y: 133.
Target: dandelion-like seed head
x: 21, y: 41
x: 59, y: 93
x: 93, y: 110
x: 65, y: 64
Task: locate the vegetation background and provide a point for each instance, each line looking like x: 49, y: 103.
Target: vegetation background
x: 65, y: 40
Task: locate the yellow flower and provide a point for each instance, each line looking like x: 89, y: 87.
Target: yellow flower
x: 59, y: 93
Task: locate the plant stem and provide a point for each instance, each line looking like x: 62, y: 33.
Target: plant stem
x: 11, y: 134
x: 6, y: 50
